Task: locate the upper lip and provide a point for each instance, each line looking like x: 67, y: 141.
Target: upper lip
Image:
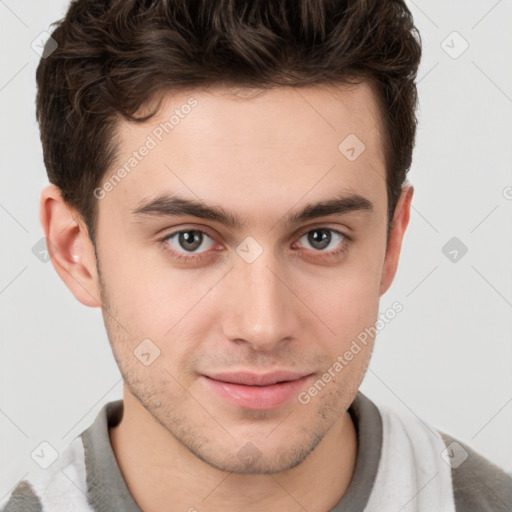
x: 255, y: 379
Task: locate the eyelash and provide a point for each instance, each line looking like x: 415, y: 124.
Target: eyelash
x: 183, y: 257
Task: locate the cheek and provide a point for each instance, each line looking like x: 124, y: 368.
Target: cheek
x: 158, y: 303
x: 346, y: 300
x: 136, y: 284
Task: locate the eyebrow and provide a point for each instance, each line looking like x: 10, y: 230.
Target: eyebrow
x: 175, y: 206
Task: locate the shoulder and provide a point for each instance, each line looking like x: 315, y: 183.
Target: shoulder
x: 62, y: 486
x: 478, y: 484
x: 66, y: 483
x: 447, y: 471
x: 22, y: 499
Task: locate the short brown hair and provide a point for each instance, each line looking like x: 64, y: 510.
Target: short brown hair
x: 114, y: 56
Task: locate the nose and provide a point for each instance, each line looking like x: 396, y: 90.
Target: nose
x: 262, y: 308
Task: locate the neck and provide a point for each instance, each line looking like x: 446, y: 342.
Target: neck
x: 160, y: 471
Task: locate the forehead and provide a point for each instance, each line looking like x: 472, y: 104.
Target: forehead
x: 242, y: 147
x: 241, y: 117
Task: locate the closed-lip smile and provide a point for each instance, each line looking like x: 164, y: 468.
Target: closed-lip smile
x: 257, y: 391
x: 255, y: 379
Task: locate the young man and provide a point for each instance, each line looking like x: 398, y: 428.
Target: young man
x: 228, y: 184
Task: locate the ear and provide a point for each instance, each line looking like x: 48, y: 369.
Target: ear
x: 69, y: 246
x: 398, y: 227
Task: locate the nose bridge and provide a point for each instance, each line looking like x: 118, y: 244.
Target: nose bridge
x: 262, y: 304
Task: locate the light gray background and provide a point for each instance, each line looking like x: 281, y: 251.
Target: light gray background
x: 446, y: 357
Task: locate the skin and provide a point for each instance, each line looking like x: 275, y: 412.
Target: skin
x: 292, y: 308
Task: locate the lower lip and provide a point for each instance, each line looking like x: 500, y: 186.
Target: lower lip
x: 257, y: 397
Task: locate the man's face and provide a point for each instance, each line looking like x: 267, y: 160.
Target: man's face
x: 265, y: 296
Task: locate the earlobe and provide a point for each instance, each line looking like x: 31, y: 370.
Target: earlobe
x: 70, y: 248
x: 398, y: 227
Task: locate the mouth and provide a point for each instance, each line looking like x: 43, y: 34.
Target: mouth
x: 257, y: 391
